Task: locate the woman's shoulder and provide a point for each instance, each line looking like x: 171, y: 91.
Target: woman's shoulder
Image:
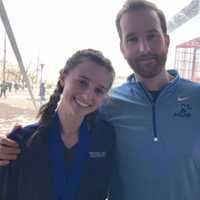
x: 22, y: 134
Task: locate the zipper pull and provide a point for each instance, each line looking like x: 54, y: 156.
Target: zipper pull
x: 155, y: 139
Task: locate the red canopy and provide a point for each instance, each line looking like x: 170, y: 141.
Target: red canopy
x: 195, y: 43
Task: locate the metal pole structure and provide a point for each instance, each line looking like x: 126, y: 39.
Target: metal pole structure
x: 4, y: 59
x: 41, y: 80
x: 15, y: 48
x: 193, y: 77
x: 37, y: 71
x: 41, y: 75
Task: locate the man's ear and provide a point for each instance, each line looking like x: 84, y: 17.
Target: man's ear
x: 167, y: 40
x: 62, y: 78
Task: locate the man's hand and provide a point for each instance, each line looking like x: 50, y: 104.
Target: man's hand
x: 9, y: 149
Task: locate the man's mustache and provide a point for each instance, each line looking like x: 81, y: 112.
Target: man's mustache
x: 147, y: 57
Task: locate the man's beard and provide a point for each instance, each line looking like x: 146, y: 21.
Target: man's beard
x: 148, y: 66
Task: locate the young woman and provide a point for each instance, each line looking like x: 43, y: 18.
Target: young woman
x: 68, y: 154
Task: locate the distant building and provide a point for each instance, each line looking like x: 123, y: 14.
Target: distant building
x: 187, y: 59
x: 184, y: 51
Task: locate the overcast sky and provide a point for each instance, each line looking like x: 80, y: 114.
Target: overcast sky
x: 54, y: 29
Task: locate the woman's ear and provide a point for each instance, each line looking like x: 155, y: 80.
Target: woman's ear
x: 62, y: 78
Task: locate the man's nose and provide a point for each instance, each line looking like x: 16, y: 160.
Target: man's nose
x: 144, y: 46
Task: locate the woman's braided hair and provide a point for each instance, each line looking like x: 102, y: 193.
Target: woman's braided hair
x: 48, y: 110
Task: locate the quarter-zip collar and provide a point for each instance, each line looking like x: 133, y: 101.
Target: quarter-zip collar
x: 138, y: 87
x: 135, y: 92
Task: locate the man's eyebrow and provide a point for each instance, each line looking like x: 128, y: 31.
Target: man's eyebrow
x: 85, y: 77
x: 130, y: 35
x: 152, y: 31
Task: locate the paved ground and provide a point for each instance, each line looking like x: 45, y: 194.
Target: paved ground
x: 16, y: 108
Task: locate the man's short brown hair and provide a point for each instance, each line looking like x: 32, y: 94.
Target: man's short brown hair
x: 135, y: 5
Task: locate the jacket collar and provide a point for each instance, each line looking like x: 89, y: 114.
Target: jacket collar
x: 132, y: 79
